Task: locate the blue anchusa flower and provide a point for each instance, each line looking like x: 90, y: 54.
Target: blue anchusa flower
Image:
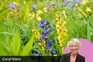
x: 34, y: 6
x: 45, y: 31
x: 46, y: 22
x: 12, y: 5
x: 54, y: 51
x: 65, y: 2
x: 44, y: 37
x: 48, y: 47
x: 50, y: 26
x: 37, y: 55
x: 41, y: 23
x: 53, y: 3
x: 70, y: 5
x: 49, y: 44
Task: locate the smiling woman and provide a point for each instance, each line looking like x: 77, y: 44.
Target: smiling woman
x: 74, y: 45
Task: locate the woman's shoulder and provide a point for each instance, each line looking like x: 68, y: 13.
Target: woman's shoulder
x: 66, y: 54
x: 81, y: 56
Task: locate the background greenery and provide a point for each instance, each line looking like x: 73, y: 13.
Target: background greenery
x: 17, y: 24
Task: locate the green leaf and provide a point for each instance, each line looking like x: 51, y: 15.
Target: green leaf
x: 16, y: 44
x: 88, y: 32
x: 28, y: 46
x: 2, y: 10
x: 3, y: 48
x: 2, y: 27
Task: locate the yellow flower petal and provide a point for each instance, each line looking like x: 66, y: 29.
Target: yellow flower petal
x: 88, y: 9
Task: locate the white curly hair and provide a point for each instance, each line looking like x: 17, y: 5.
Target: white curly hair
x: 76, y: 41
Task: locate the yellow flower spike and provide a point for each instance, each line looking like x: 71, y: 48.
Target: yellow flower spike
x: 61, y: 44
x: 52, y: 9
x: 33, y: 30
x: 38, y: 15
x: 45, y: 9
x: 32, y: 15
x: 42, y: 43
x: 25, y: 2
x: 57, y: 26
x: 63, y: 23
x: 14, y: 11
x: 39, y: 12
x: 82, y: 12
x: 37, y: 34
x: 57, y: 13
x: 63, y: 50
x: 43, y: 48
x: 85, y: 1
x: 59, y: 37
x: 16, y: 3
x: 61, y: 29
x: 65, y: 30
x: 88, y: 9
x: 38, y: 18
x: 64, y: 14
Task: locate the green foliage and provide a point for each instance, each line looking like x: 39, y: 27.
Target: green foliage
x: 28, y: 47
x: 16, y: 44
x: 16, y: 25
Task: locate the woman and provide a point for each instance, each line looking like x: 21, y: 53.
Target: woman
x: 74, y: 45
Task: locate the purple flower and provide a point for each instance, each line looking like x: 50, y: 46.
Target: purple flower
x: 53, y: 3
x: 37, y: 55
x: 71, y: 5
x: 48, y: 45
x: 50, y: 42
x: 34, y: 6
x: 54, y: 51
x: 45, y: 37
x: 78, y: 1
x: 65, y: 2
x: 46, y: 22
x: 12, y: 5
x: 45, y: 31
x: 41, y: 23
x: 50, y: 26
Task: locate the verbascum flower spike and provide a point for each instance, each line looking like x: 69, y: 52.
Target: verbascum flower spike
x: 61, y: 30
x: 37, y: 34
x: 42, y: 43
x: 38, y: 15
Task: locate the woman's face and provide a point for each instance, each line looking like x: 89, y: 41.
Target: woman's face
x: 73, y: 48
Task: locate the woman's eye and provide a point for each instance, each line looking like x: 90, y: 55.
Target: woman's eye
x: 71, y: 46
